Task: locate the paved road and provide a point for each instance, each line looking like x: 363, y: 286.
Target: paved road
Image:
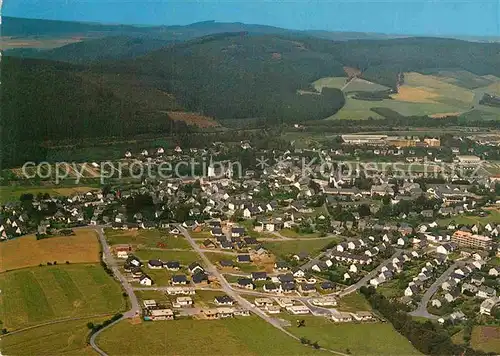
x: 135, y: 309
x: 421, y: 310
x: 232, y: 293
x: 366, y: 279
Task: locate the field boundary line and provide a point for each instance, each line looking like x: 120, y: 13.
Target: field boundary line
x: 57, y: 321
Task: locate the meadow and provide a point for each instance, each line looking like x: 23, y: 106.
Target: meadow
x: 27, y: 251
x: 238, y: 336
x: 436, y: 93
x: 287, y: 248
x: 147, y: 238
x: 493, y: 216
x: 183, y: 257
x: 68, y: 338
x: 36, y: 295
x: 486, y: 338
x: 353, y: 338
x: 12, y: 194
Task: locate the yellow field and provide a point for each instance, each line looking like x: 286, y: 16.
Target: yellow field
x: 10, y: 194
x: 27, y: 251
x: 415, y: 95
x: 486, y: 338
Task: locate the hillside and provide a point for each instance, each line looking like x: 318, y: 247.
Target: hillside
x: 107, y: 48
x: 50, y: 101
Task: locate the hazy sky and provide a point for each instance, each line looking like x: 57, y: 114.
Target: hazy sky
x: 433, y: 17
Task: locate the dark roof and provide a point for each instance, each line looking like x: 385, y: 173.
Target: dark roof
x: 179, y: 278
x: 327, y: 285
x: 244, y: 281
x: 173, y: 264
x: 239, y: 230
x: 224, y: 299
x: 288, y: 277
x: 259, y: 275
x: 199, y: 277
x: 226, y: 263
x: 244, y: 258
x: 288, y: 286
x: 156, y: 263
x: 250, y: 240
x: 307, y: 286
x: 193, y: 265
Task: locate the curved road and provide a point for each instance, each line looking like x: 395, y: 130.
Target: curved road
x: 421, y: 310
x: 135, y: 309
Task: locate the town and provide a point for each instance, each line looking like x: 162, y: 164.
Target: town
x: 277, y: 242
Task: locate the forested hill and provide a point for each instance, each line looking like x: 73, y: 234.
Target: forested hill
x: 50, y: 101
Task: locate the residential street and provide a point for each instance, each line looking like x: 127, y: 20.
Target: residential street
x: 135, y: 309
x: 366, y: 279
x: 421, y: 310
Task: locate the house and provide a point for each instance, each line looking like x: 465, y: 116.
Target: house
x: 149, y: 303
x: 216, y: 231
x: 122, y: 254
x: 179, y: 279
x: 237, y: 231
x: 287, y: 287
x: 159, y: 314
x: 477, y: 280
x: 298, y: 273
x: 446, y: 248
x: 271, y: 288
x: 298, y: 309
x: 486, y: 292
x: 183, y: 302
x: 263, y: 302
x: 306, y: 288
x: 226, y: 263
x: 411, y: 290
x: 488, y: 305
x: 452, y: 295
x: 195, y: 267
x: 341, y: 317
x: 209, y: 244
x: 436, y: 303
x: 325, y: 301
x: 494, y: 271
x: 245, y: 283
x: 301, y: 256
x: 172, y: 265
x: 243, y: 259
x: 284, y: 302
x: 362, y: 316
x: 133, y: 262
x: 259, y: 276
x: 144, y: 280
x: 223, y: 300
x: 281, y: 266
x: 200, y: 278
x: 211, y: 314
x: 327, y: 285
x: 155, y: 264
x: 180, y: 290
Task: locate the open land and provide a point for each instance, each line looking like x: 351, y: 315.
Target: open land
x: 36, y: 295
x: 27, y: 251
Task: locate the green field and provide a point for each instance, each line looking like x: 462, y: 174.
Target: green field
x: 68, y: 338
x: 353, y: 302
x: 486, y: 338
x: 12, y: 194
x: 354, y: 86
x: 184, y: 257
x: 357, y: 339
x: 238, y: 336
x: 36, y: 295
x: 293, y: 234
x: 215, y: 257
x: 434, y: 93
x: 286, y: 248
x: 147, y: 238
x: 492, y: 217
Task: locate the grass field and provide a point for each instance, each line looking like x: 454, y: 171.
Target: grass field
x: 290, y: 247
x: 39, y: 294
x: 243, y: 267
x: 68, y: 338
x: 12, y: 194
x: 148, y: 238
x: 492, y: 217
x: 27, y: 251
x: 293, y: 234
x: 353, y: 302
x: 184, y: 257
x: 239, y: 336
x: 359, y: 339
x: 435, y: 94
x: 486, y: 338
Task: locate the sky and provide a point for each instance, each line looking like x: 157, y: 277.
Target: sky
x: 416, y: 17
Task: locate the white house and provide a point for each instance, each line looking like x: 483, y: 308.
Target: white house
x: 145, y: 281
